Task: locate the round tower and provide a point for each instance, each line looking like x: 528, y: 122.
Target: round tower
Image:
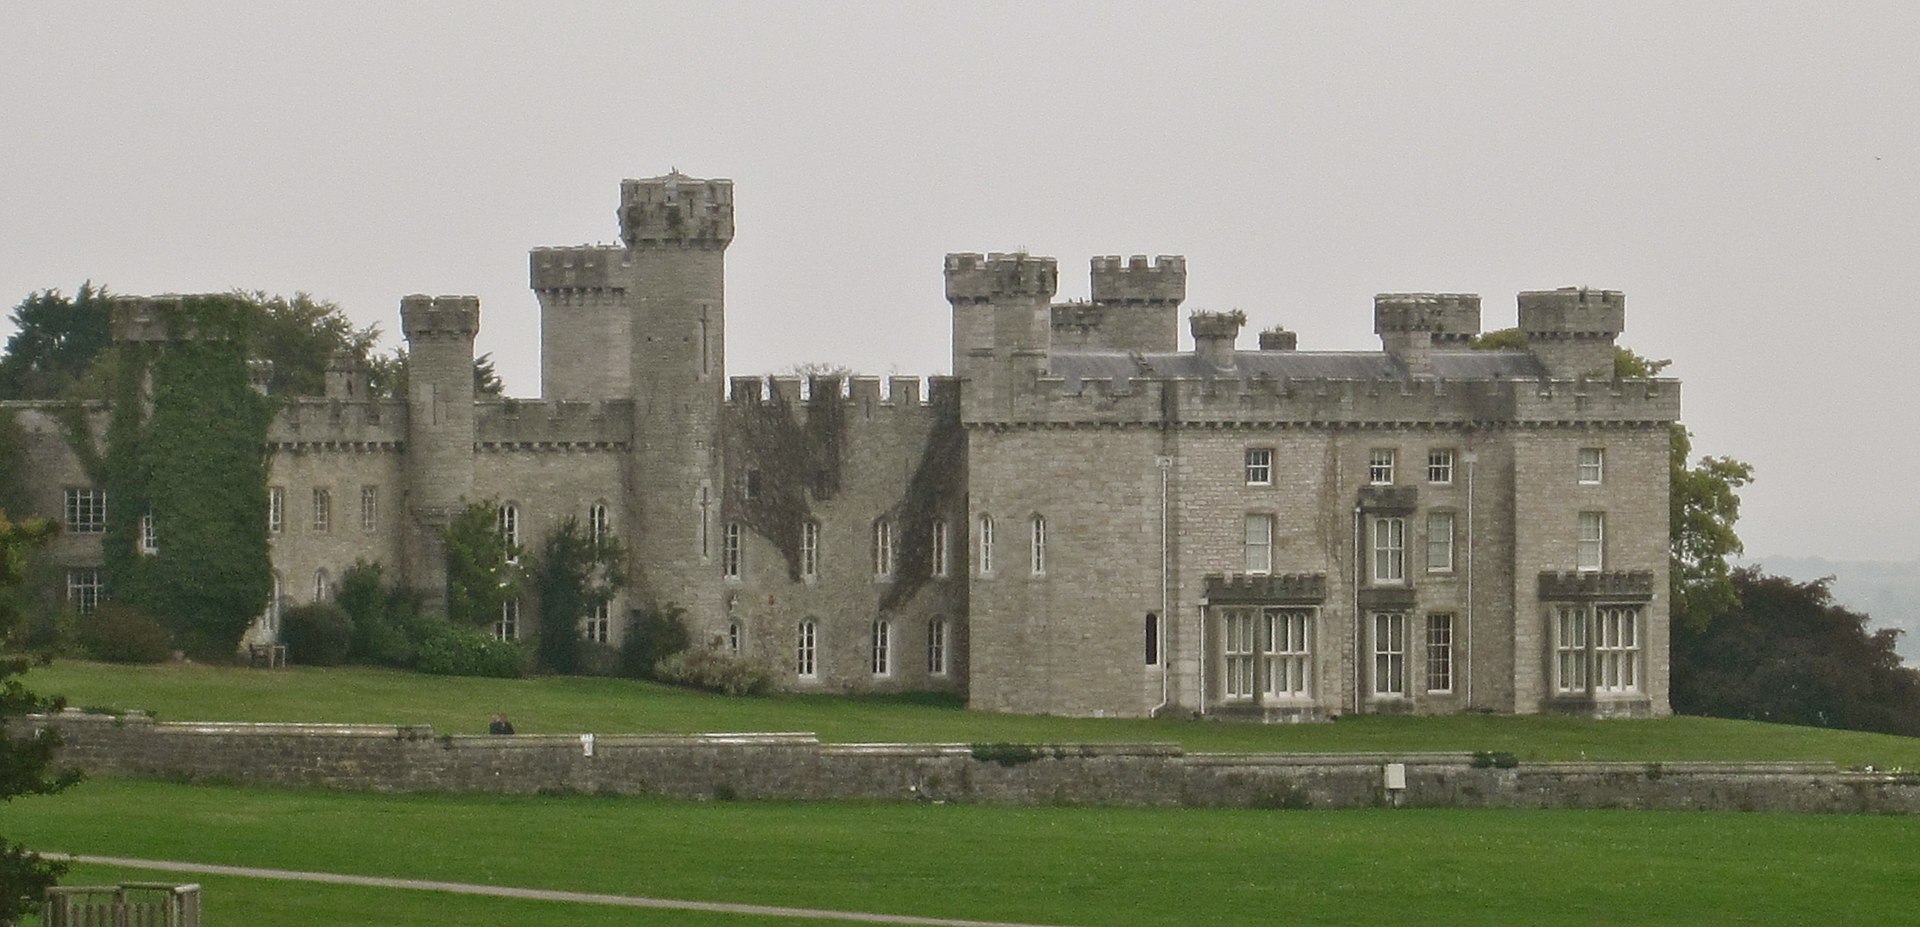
x: 439, y: 476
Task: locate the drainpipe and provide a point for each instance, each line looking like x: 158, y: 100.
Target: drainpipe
x: 1472, y: 459
x: 1166, y: 594
x: 1359, y: 620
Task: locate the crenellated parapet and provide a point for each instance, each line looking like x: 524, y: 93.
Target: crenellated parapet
x: 1572, y: 312
x: 428, y: 317
x: 515, y: 423
x: 582, y: 267
x: 1262, y: 401
x: 978, y: 278
x: 1449, y: 318
x: 161, y: 319
x: 861, y: 394
x: 1134, y: 281
x: 676, y: 210
x: 313, y: 423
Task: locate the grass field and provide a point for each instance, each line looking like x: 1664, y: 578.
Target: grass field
x: 187, y: 692
x: 1045, y: 865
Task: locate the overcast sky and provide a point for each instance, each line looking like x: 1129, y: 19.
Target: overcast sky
x: 1748, y: 174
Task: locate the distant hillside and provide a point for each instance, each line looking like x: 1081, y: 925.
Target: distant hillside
x: 1888, y: 591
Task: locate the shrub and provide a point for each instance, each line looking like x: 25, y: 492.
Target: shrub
x: 123, y: 634
x: 714, y: 672
x: 386, y: 618
x: 320, y: 634
x: 451, y: 650
x: 653, y: 635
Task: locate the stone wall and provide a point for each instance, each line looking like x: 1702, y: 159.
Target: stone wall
x: 797, y: 767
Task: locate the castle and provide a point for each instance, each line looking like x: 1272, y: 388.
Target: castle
x: 1082, y: 520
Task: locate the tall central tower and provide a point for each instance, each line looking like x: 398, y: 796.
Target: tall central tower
x: 645, y: 322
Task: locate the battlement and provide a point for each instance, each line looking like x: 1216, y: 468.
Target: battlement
x: 1572, y: 312
x: 860, y: 392
x: 676, y: 209
x: 1449, y: 317
x: 313, y: 422
x: 1134, y: 281
x: 977, y: 278
x: 1264, y: 400
x: 520, y: 422
x: 1207, y: 324
x: 423, y: 316
x: 160, y: 319
x: 582, y: 267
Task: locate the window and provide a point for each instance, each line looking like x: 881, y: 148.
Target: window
x: 706, y: 542
x: 369, y: 508
x: 882, y: 547
x: 149, y: 538
x: 1591, y: 555
x: 509, y: 517
x: 1439, y: 542
x: 810, y: 550
x: 1380, y: 466
x: 322, y: 586
x: 939, y: 541
x: 322, y: 509
x: 1389, y: 550
x: 882, y: 647
x: 1616, y: 648
x: 1259, y: 466
x: 1389, y: 653
x: 1237, y: 645
x: 508, y: 627
x: 276, y: 509
x: 1039, y: 556
x: 594, y: 626
x: 804, y: 665
x: 83, y: 590
x: 733, y: 637
x: 1440, y: 467
x: 86, y: 511
x: 1289, y: 653
x: 937, y: 647
x: 270, y: 619
x: 730, y: 550
x: 599, y: 526
x: 1570, y: 650
x: 986, y: 545
x: 1592, y: 467
x: 750, y: 484
x: 1440, y: 652
x: 1153, y: 639
x: 1257, y: 549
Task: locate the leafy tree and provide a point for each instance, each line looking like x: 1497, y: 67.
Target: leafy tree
x: 26, y: 760
x: 55, y: 342
x: 386, y: 618
x: 1781, y: 651
x: 387, y: 375
x: 573, y: 576
x: 1704, y: 503
x: 482, y: 572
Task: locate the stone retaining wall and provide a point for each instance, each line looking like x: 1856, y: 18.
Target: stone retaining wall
x: 797, y: 767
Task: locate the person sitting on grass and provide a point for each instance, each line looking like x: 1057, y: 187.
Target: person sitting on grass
x: 500, y: 725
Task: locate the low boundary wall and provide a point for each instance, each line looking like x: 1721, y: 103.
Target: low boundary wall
x: 797, y: 767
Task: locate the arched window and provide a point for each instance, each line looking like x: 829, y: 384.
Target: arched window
x: 322, y: 586
x: 733, y: 637
x: 599, y: 526
x: 939, y: 543
x: 804, y: 650
x: 986, y: 545
x: 510, y: 530
x: 1039, y: 556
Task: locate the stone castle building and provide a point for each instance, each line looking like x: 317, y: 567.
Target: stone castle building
x: 1082, y: 520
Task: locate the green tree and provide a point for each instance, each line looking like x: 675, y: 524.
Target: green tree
x: 54, y: 343
x: 1704, y: 503
x: 482, y: 571
x: 26, y: 759
x: 387, y: 375
x: 574, y: 575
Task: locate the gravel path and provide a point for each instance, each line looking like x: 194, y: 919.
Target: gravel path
x: 538, y: 894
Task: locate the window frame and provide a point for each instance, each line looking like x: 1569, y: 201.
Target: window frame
x: 806, y: 649
x: 276, y: 509
x: 1590, y: 543
x: 937, y: 647
x: 508, y: 627
x: 810, y: 550
x: 85, y: 510
x: 149, y: 535
x: 1569, y: 634
x: 1387, y: 631
x: 322, y: 586
x: 1288, y: 654
x: 1037, y: 553
x: 594, y: 628
x: 731, y: 555
x: 599, y: 524
x: 322, y: 510
x: 1615, y: 647
x: 986, y: 545
x: 1439, y: 646
x: 1256, y: 553
x: 1440, y: 541
x: 84, y: 588
x: 369, y: 508
x: 1387, y: 546
x: 1239, y: 653
x: 939, y: 553
x: 1381, y: 464
x: 1591, y: 466
x: 884, y: 554
x: 881, y: 652
x: 1440, y: 466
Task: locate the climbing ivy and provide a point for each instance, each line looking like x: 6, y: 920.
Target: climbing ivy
x: 481, y: 571
x: 572, y: 575
x: 785, y: 463
x: 937, y: 485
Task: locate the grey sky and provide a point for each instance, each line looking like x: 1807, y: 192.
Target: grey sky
x: 1749, y: 175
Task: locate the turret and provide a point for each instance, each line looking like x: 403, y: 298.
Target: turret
x: 1214, y: 334
x: 1411, y: 325
x: 346, y: 379
x: 1002, y: 324
x: 1571, y: 330
x: 1141, y: 302
x: 440, y: 332
x: 676, y: 210
x: 1278, y: 338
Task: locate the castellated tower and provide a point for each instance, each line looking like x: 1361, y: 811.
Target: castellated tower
x: 1002, y: 325
x: 440, y: 332
x: 1572, y: 329
x: 645, y: 321
x: 1140, y: 302
x: 1411, y: 325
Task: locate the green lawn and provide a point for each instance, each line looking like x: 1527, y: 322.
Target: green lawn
x: 186, y: 692
x: 1046, y: 865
